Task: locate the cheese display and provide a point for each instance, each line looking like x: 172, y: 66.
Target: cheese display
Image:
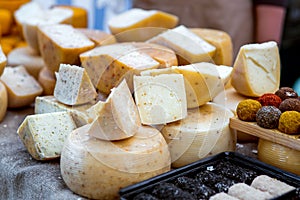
x: 21, y: 87
x: 3, y: 101
x: 3, y: 61
x: 6, y: 20
x: 185, y: 44
x: 117, y: 118
x: 139, y: 18
x: 256, y: 69
x: 44, y: 134
x: 97, y: 169
x: 205, y: 131
x: 62, y: 43
x: 73, y: 85
x: 47, y: 80
x: 98, y: 37
x: 160, y: 99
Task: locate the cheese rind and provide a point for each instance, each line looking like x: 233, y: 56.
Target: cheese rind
x: 44, y: 134
x: 3, y: 101
x: 79, y: 15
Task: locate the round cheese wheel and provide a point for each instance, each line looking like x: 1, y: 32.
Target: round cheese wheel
x: 97, y: 168
x: 3, y: 101
x: 204, y: 132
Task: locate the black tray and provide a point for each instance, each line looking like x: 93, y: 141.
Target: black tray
x: 250, y: 166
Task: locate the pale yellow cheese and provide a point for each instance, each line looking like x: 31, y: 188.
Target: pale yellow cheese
x: 3, y: 101
x: 62, y: 43
x: 256, y: 70
x: 97, y: 36
x: 47, y: 80
x: 3, y: 60
x: 6, y: 21
x: 79, y: 17
x: 139, y: 18
x: 160, y: 99
x: 139, y: 34
x: 21, y: 87
x: 44, y: 134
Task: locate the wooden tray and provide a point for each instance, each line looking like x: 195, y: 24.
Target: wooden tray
x: 273, y: 135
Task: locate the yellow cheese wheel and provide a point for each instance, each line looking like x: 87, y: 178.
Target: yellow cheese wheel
x: 6, y: 20
x: 80, y: 16
x: 47, y: 80
x: 3, y: 101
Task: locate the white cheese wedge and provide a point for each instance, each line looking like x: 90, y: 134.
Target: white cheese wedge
x: 256, y: 70
x: 204, y: 132
x: 73, y: 85
x: 21, y: 87
x: 186, y: 45
x: 44, y: 134
x: 117, y: 118
x: 97, y: 169
x: 3, y: 101
x: 160, y: 99
x: 3, y: 60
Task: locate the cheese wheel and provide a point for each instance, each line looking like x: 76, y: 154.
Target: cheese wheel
x: 21, y: 87
x: 79, y: 17
x: 44, y: 134
x: 62, y: 43
x: 139, y: 18
x: 221, y: 40
x: 256, y: 70
x: 25, y: 56
x: 6, y: 21
x: 97, y: 169
x: 185, y: 44
x: 97, y: 36
x: 279, y: 156
x: 3, y: 61
x: 47, y: 80
x: 204, y: 132
x: 3, y: 101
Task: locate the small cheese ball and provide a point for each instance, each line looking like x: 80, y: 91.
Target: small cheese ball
x: 286, y: 93
x: 268, y: 117
x: 290, y: 104
x: 269, y: 99
x: 289, y: 122
x: 247, y: 109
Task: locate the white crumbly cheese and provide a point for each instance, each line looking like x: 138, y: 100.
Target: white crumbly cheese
x: 160, y: 99
x: 246, y: 192
x: 44, y: 134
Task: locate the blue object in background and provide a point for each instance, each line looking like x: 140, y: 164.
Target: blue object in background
x: 64, y: 2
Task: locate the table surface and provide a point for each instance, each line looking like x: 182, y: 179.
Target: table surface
x: 23, y: 177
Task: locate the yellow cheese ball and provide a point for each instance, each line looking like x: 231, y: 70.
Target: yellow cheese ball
x: 247, y: 109
x: 289, y: 122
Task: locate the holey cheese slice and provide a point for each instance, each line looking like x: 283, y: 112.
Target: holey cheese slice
x: 44, y: 134
x: 73, y: 85
x: 160, y: 99
x: 3, y: 60
x: 204, y: 132
x: 256, y: 70
x: 97, y: 169
x: 117, y: 118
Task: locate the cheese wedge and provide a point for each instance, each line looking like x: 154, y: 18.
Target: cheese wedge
x: 97, y: 169
x: 79, y: 16
x: 3, y: 101
x: 3, y: 60
x: 204, y: 132
x: 139, y: 18
x: 21, y: 87
x: 160, y: 99
x: 256, y: 70
x: 186, y: 45
x: 62, y: 43
x: 47, y: 80
x: 6, y: 21
x: 98, y: 37
x: 44, y: 135
x: 219, y: 39
x: 73, y: 85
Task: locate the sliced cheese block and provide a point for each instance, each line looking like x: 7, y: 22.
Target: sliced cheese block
x: 221, y: 40
x: 256, y: 70
x: 79, y: 17
x: 25, y: 56
x: 44, y: 135
x: 3, y: 101
x: 160, y: 99
x: 47, y: 80
x: 99, y: 37
x: 117, y: 118
x: 6, y: 21
x: 49, y: 104
x: 62, y: 43
x: 21, y: 87
x: 3, y: 60
x: 97, y: 169
x: 186, y: 44
x: 139, y: 18
x: 73, y: 85
x: 204, y: 132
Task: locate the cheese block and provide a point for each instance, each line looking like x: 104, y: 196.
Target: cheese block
x: 256, y: 70
x: 62, y: 43
x: 47, y: 80
x: 117, y: 118
x: 160, y: 99
x: 3, y: 60
x: 21, y: 87
x: 49, y: 104
x: 79, y: 17
x: 44, y: 135
x: 219, y: 39
x: 186, y: 45
x: 3, y: 101
x: 139, y: 18
x: 25, y: 56
x: 204, y: 132
x: 97, y: 169
x: 6, y: 21
x: 139, y: 34
x: 98, y: 37
x: 73, y: 85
